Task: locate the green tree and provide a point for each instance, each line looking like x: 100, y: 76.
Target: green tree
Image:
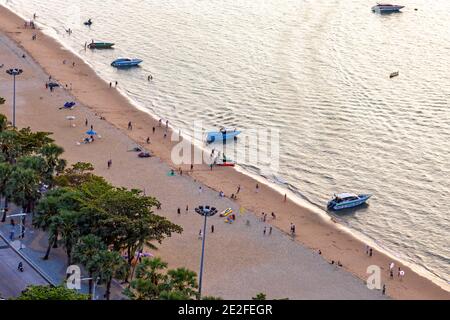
x: 152, y: 282
x: 128, y: 221
x: 4, y: 125
x: 110, y: 265
x: 49, y: 210
x: 86, y: 253
x: 51, y: 293
x: 5, y: 172
x: 78, y: 174
x: 183, y: 282
x: 22, y: 188
x: 69, y: 232
x: 149, y: 281
x: 260, y: 296
x: 51, y: 153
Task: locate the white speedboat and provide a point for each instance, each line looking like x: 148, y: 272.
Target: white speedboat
x: 386, y: 8
x: 347, y: 200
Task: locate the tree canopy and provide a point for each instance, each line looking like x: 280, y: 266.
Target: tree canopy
x: 51, y: 293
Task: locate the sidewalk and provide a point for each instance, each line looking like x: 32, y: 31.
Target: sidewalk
x: 34, y: 247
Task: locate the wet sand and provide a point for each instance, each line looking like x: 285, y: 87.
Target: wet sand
x: 240, y: 260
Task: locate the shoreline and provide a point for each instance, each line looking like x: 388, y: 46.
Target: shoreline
x: 315, y: 232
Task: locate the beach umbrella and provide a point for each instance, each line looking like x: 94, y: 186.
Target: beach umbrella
x: 91, y: 133
x: 71, y: 118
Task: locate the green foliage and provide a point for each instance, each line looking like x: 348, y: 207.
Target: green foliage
x: 152, y: 282
x: 77, y: 205
x: 51, y: 293
x: 260, y: 296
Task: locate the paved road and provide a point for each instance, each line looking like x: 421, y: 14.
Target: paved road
x: 12, y: 282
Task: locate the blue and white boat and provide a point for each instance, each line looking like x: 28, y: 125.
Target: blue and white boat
x: 126, y: 62
x: 347, y: 200
x: 386, y: 8
x: 222, y: 136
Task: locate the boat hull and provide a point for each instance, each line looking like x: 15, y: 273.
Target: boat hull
x: 221, y: 137
x: 101, y: 45
x: 387, y: 9
x: 126, y: 64
x: 334, y: 206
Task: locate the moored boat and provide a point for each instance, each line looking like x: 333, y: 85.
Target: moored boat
x: 347, y: 200
x: 386, y: 8
x: 100, y: 45
x: 394, y: 74
x: 222, y: 136
x: 126, y: 62
x: 224, y: 162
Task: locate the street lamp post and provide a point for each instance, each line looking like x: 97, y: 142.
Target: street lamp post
x: 22, y: 226
x: 205, y: 212
x: 95, y: 281
x: 14, y: 72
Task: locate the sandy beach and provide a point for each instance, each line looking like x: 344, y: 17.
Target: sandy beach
x: 241, y: 261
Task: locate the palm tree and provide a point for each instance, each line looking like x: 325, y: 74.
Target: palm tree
x: 111, y: 265
x: 150, y: 280
x: 51, y: 153
x: 48, y: 210
x: 68, y: 230
x: 22, y: 188
x: 86, y: 253
x: 5, y: 172
x: 183, y: 282
x: 4, y: 125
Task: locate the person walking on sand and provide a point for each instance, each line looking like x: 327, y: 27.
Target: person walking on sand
x: 109, y: 164
x: 130, y: 126
x: 265, y: 231
x: 200, y: 190
x: 154, y: 129
x: 167, y: 124
x: 117, y: 84
x: 160, y: 123
x: 110, y: 84
x: 179, y: 211
x: 212, y: 229
x: 200, y: 235
x: 383, y: 292
x: 285, y: 197
x: 148, y: 140
x: 391, y: 268
x: 402, y: 275
x: 257, y: 188
x: 238, y: 190
x: 274, y: 217
x: 187, y: 209
x: 270, y: 231
x: 370, y: 252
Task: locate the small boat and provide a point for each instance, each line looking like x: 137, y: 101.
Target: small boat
x: 88, y: 23
x: 224, y: 162
x: 386, y: 8
x: 126, y: 62
x: 394, y: 74
x: 222, y: 135
x: 347, y: 200
x: 100, y: 45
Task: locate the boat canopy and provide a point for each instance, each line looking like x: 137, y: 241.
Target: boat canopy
x: 346, y: 195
